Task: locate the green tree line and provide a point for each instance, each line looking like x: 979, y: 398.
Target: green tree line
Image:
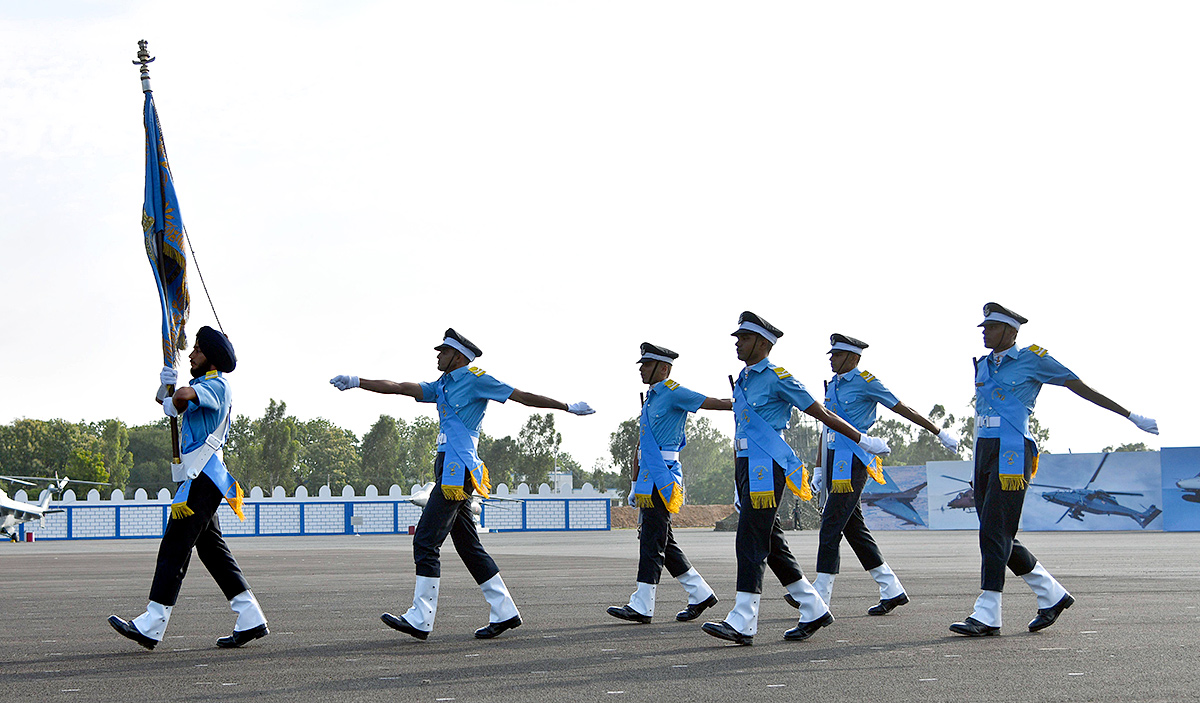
x: 278, y: 449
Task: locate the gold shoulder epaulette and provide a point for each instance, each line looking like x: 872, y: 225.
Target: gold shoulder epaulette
x: 782, y: 372
x: 1040, y: 351
x: 672, y: 385
x: 211, y: 374
x: 476, y: 370
x: 867, y: 376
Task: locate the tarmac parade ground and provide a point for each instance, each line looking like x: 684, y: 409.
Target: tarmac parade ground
x: 1134, y: 633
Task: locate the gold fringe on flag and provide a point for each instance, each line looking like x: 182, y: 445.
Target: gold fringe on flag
x: 1012, y: 483
x: 453, y: 492
x: 803, y: 492
x: 676, y: 501
x: 875, y: 470
x: 762, y: 499
x: 645, y: 501
x: 237, y: 501
x: 181, y: 510
x: 1035, y: 463
x: 486, y: 488
x: 841, y: 485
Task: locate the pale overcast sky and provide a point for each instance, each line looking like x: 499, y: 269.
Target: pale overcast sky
x: 561, y: 181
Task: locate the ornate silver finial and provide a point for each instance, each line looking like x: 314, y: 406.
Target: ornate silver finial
x: 144, y: 59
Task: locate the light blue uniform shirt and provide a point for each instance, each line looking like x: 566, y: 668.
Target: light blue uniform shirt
x: 772, y: 392
x: 1020, y: 373
x: 854, y: 398
x: 668, y: 409
x: 200, y: 418
x: 468, y: 390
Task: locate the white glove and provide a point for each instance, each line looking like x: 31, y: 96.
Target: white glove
x: 344, y: 383
x: 874, y: 445
x: 168, y: 376
x: 580, y: 408
x: 818, y: 479
x: 169, y: 407
x: 1145, y: 424
x: 948, y: 441
x: 632, y: 499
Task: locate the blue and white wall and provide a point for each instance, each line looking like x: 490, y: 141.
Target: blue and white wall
x: 324, y: 514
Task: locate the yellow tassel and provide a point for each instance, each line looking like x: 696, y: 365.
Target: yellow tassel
x: 453, y: 492
x: 841, y: 485
x: 485, y: 489
x: 180, y: 511
x: 762, y: 499
x: 676, y: 501
x: 875, y: 470
x: 644, y: 501
x: 803, y: 492
x: 1012, y: 483
x: 1035, y: 463
x: 237, y: 501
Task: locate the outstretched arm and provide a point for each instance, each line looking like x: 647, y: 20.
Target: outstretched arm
x: 345, y: 383
x: 1089, y: 394
x: 948, y: 441
x: 833, y: 422
x: 1083, y: 390
x: 534, y: 400
x: 716, y: 404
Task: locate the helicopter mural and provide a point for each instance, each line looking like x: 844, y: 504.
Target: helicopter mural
x: 1181, y: 488
x: 963, y: 499
x: 1084, y: 502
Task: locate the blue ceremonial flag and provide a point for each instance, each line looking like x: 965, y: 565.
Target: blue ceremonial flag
x: 163, y: 229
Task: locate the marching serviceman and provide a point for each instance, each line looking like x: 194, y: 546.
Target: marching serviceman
x: 658, y: 488
x: 462, y: 394
x: 763, y: 398
x: 1007, y: 383
x: 206, y: 410
x: 852, y: 395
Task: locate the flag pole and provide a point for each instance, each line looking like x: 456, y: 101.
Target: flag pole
x: 143, y: 61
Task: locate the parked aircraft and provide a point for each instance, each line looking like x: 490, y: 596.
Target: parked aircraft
x: 962, y: 500
x: 1191, y: 488
x: 14, y: 512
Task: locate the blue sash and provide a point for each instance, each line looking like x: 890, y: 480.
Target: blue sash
x: 461, y: 458
x: 214, y: 469
x: 1014, y: 430
x: 843, y: 450
x: 655, y: 471
x: 766, y: 446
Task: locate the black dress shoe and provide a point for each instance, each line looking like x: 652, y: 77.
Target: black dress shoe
x: 887, y: 605
x: 399, y: 623
x: 694, y: 609
x: 127, y: 629
x: 804, y: 630
x: 495, y: 628
x: 973, y: 628
x: 1046, y: 616
x: 624, y: 612
x: 237, y: 639
x: 722, y: 630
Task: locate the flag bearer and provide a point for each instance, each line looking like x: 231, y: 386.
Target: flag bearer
x: 205, y: 407
x: 763, y: 398
x: 462, y: 394
x: 852, y: 395
x: 1007, y: 383
x: 658, y: 488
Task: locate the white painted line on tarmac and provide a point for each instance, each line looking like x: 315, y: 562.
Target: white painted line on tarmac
x: 952, y: 656
x: 614, y: 693
x: 776, y: 685
x: 926, y: 680
x: 473, y: 655
x: 1077, y: 674
x: 679, y: 666
x: 817, y: 661
x: 1089, y: 632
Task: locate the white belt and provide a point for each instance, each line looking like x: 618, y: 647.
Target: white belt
x: 669, y: 456
x: 987, y: 421
x: 744, y: 444
x: 441, y: 440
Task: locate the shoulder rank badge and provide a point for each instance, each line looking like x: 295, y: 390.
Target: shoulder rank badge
x: 1040, y: 351
x: 476, y: 370
x: 671, y: 385
x: 781, y: 372
x: 867, y: 376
